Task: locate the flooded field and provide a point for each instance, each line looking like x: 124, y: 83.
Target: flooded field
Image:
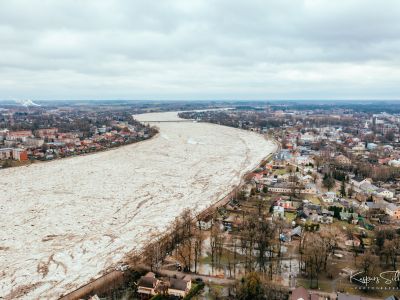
x: 64, y: 222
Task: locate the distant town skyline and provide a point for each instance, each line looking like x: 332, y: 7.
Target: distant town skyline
x: 200, y: 50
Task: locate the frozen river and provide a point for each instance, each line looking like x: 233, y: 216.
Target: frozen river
x: 64, y: 222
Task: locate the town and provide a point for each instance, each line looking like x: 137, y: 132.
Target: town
x: 43, y: 133
x: 310, y: 222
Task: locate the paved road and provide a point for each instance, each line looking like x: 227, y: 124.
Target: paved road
x: 205, y: 278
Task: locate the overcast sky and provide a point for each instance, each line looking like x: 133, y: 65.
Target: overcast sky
x: 189, y: 49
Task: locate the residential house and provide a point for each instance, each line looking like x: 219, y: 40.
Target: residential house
x: 231, y: 221
x: 385, y: 193
x: 205, y: 223
x: 342, y: 160
x: 47, y: 133
x: 296, y: 232
x: 147, y: 284
x: 304, y: 160
x: 346, y: 216
x: 368, y: 188
x: 5, y: 153
x: 349, y: 297
x: 33, y: 142
x: 393, y: 211
x: 329, y: 197
x: 394, y: 163
x: 371, y: 146
x: 309, y: 188
x: 300, y: 293
x: 361, y: 196
x: 281, y: 158
x: 353, y: 242
x: 289, y: 187
x: 307, y: 138
x: 307, y: 179
x: 20, y: 135
x: 20, y: 154
x: 315, y: 214
x: 326, y: 217
x: 179, y: 287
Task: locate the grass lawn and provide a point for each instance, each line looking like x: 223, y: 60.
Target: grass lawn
x: 280, y: 172
x: 314, y: 200
x: 323, y: 285
x: 225, y: 258
x: 341, y: 224
x: 290, y: 216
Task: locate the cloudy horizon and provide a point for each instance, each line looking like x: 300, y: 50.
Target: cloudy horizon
x: 203, y: 50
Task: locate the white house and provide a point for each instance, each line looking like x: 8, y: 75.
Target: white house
x: 206, y: 223
x: 385, y: 193
x: 329, y: 197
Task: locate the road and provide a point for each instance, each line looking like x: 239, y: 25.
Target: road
x: 205, y: 278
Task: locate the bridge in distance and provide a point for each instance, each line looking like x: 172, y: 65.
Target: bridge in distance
x: 170, y: 121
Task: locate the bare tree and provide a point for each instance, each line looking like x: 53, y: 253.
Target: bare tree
x: 198, y: 240
x: 216, y: 242
x: 315, y: 253
x: 369, y: 263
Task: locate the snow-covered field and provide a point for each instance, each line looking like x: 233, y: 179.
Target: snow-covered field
x: 64, y: 222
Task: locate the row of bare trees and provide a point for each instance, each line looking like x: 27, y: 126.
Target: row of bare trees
x: 256, y: 246
x: 184, y: 240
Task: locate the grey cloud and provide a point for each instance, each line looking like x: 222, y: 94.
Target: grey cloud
x: 199, y: 49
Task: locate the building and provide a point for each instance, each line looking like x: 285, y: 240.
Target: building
x: 346, y: 216
x: 287, y: 188
x: 307, y: 138
x: 20, y: 135
x: 368, y: 188
x: 48, y: 133
x: 179, y: 287
x: 147, y: 284
x: 309, y: 188
x: 385, y: 193
x: 342, y: 160
x: 353, y: 242
x: 329, y: 197
x: 326, y: 217
x: 33, y: 142
x: 304, y: 160
x: 393, y: 211
x: 301, y: 293
x: 349, y: 297
x: 5, y: 153
x: 206, y: 222
x: 20, y: 154
x: 13, y: 153
x: 394, y: 163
